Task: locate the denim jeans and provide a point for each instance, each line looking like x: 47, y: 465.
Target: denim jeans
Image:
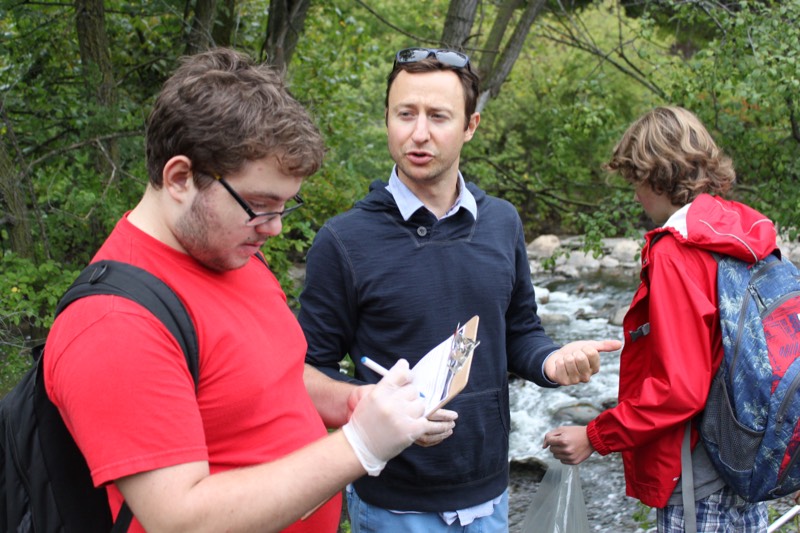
x: 366, y: 518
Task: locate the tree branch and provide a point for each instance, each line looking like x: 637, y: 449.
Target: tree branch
x: 75, y: 146
x: 569, y: 36
x: 522, y: 187
x: 397, y: 28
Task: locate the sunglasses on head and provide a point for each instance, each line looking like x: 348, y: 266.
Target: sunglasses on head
x: 446, y: 57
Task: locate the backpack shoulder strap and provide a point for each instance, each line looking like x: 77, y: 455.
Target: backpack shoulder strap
x: 123, y: 279
x: 657, y: 237
x: 260, y: 256
x: 134, y: 283
x: 653, y: 240
x: 687, y: 481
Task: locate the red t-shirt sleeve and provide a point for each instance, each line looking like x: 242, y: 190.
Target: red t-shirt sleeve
x: 143, y: 413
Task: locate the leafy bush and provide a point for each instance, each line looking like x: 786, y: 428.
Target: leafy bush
x: 29, y: 293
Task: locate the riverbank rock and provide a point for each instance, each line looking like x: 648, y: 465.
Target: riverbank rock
x: 543, y: 246
x: 619, y: 256
x: 625, y: 250
x: 542, y: 294
x: 525, y: 478
x: 578, y: 414
x: 553, y: 319
x: 791, y: 250
x: 619, y: 315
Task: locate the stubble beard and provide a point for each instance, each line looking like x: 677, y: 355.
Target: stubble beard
x: 192, y: 232
x: 429, y: 175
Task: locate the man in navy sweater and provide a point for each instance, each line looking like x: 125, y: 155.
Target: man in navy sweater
x: 392, y: 278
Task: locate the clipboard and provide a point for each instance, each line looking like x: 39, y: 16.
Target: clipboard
x: 444, y: 371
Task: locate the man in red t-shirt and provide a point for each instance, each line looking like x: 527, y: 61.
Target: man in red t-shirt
x: 227, y: 151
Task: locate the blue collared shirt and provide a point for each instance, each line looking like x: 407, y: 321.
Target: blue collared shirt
x: 408, y: 203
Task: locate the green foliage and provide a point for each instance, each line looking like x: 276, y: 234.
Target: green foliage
x: 283, y: 252
x: 735, y: 66
x: 13, y: 365
x: 744, y: 85
x: 543, y: 140
x: 619, y: 218
x: 29, y: 293
x: 54, y: 124
x: 338, y: 72
x: 642, y: 516
x: 773, y: 514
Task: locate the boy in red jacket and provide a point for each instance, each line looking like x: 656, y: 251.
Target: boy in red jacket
x: 673, y: 341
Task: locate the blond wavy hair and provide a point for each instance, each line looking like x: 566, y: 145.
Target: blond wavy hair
x: 671, y: 150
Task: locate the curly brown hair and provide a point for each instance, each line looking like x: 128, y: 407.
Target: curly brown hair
x: 670, y: 149
x: 221, y: 110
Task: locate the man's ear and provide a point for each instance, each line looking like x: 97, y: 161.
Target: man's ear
x: 474, y: 120
x: 177, y: 176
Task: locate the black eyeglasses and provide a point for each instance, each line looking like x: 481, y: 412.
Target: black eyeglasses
x: 259, y: 218
x: 448, y: 57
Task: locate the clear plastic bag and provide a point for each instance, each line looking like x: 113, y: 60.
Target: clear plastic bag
x: 558, y: 505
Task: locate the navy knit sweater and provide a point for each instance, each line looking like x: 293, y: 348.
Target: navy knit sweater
x: 379, y: 286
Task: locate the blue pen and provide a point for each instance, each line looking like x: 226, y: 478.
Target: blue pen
x: 372, y: 365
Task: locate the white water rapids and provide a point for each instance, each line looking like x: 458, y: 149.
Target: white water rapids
x: 581, y: 309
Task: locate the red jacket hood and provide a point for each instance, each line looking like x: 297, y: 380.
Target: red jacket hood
x: 725, y: 227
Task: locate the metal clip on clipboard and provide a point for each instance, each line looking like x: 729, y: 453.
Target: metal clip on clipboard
x: 460, y: 350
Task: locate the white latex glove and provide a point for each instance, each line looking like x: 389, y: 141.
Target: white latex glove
x: 387, y: 420
x: 444, y: 421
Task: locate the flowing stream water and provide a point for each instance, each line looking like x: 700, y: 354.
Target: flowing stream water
x: 576, y: 309
x: 582, y: 309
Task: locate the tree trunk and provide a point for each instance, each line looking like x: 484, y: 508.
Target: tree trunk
x: 95, y: 56
x: 286, y: 20
x: 225, y: 23
x: 492, y: 63
x: 491, y: 47
x: 98, y: 71
x: 15, y: 217
x: 457, y: 25
x: 199, y: 38
x: 501, y: 68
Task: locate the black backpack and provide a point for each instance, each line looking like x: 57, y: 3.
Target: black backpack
x: 45, y: 486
